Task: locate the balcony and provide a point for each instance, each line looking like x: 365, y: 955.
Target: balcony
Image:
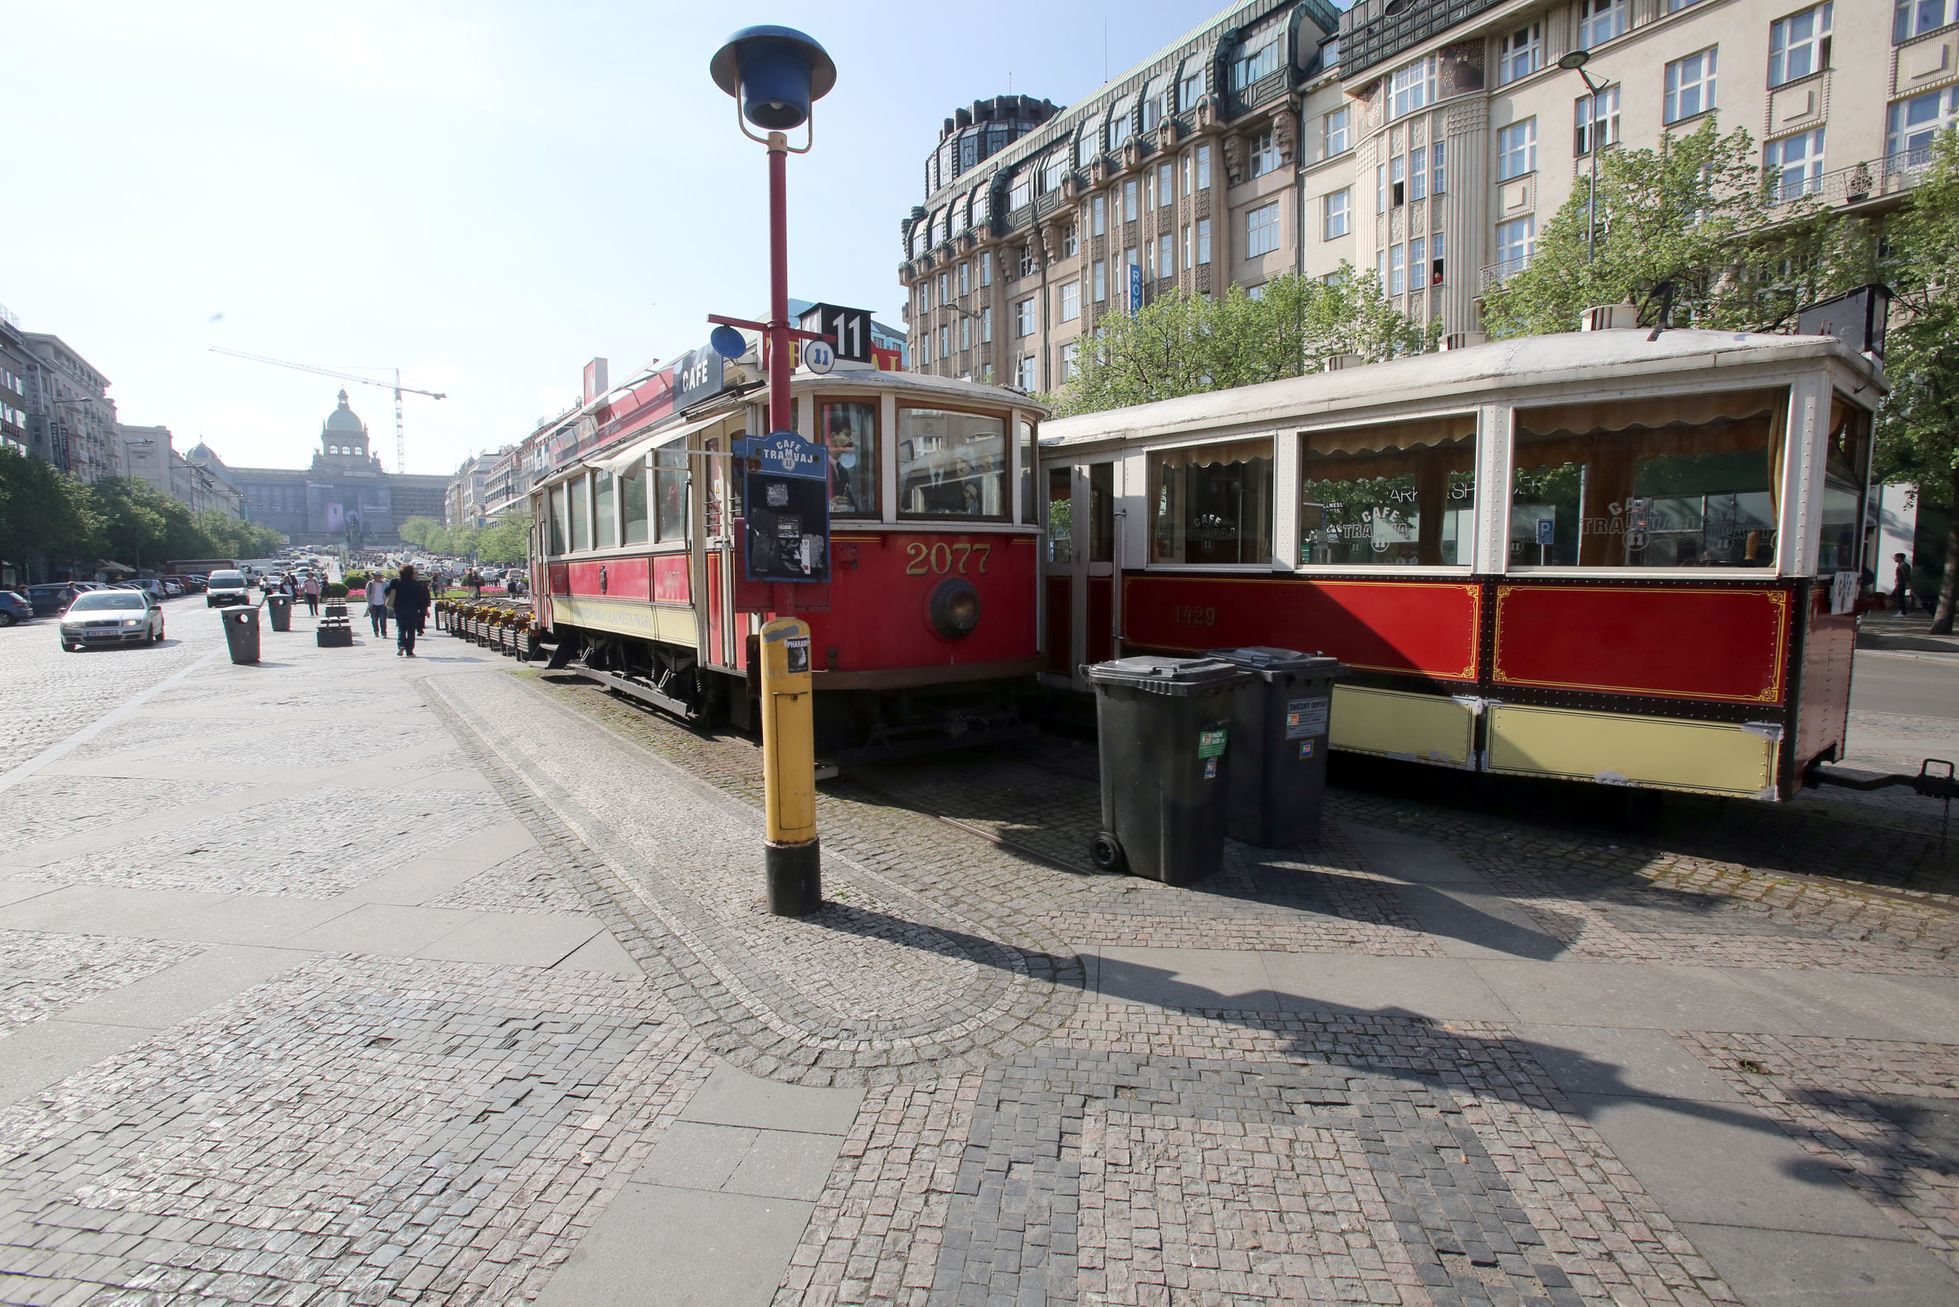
x: 1494, y: 273
x: 1862, y: 182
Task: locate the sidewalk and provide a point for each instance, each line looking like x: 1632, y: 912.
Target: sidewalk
x: 439, y: 981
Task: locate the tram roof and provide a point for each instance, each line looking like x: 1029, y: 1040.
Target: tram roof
x: 1432, y: 380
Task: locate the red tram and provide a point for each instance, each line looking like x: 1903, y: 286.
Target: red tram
x: 927, y: 625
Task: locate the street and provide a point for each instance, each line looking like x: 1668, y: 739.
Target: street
x: 346, y: 979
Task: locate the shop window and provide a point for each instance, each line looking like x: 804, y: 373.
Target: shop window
x: 604, y: 523
x: 951, y: 464
x: 1213, y: 504
x: 633, y: 503
x: 850, y: 431
x: 670, y: 492
x: 1404, y: 493
x: 1679, y: 481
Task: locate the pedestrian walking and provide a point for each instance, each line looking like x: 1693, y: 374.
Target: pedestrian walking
x: 313, y: 594
x: 409, y: 599
x: 377, y: 605
x: 1901, y: 583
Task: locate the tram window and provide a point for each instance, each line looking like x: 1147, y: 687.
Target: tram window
x: 604, y: 515
x: 1101, y: 513
x: 581, y: 515
x: 1213, y: 503
x: 951, y: 464
x: 1401, y: 493
x: 1846, y: 469
x: 670, y: 488
x: 632, y: 500
x: 850, y: 430
x: 1061, y: 515
x: 556, y: 501
x: 1029, y: 444
x: 1676, y: 481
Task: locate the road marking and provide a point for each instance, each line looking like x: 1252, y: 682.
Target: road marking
x: 54, y: 752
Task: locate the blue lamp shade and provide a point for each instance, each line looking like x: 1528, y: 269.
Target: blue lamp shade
x: 727, y: 342
x: 779, y: 73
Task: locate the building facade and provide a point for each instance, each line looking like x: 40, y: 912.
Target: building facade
x: 1429, y: 142
x: 71, y: 419
x: 467, y: 495
x: 147, y: 456
x: 16, y: 364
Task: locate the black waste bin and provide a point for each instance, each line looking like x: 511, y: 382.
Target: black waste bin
x: 280, y: 607
x: 241, y: 634
x: 1279, y: 722
x: 1164, y: 727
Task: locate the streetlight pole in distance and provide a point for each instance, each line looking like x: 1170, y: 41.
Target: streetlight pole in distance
x: 776, y: 74
x: 1575, y: 61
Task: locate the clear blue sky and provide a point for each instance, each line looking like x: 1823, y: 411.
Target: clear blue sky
x: 483, y: 194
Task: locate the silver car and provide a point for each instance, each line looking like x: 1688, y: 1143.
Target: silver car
x: 111, y: 617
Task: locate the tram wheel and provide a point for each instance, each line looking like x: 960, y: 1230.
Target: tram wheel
x: 1106, y: 853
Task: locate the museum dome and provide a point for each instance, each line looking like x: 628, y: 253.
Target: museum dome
x: 343, y: 419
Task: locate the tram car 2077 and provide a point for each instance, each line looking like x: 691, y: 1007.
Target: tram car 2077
x: 1601, y: 556
x: 925, y: 629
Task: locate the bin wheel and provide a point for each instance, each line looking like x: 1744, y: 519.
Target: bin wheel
x: 1105, y: 853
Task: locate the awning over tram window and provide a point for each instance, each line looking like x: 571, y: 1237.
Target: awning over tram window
x: 633, y: 455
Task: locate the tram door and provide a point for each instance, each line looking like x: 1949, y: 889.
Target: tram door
x: 1079, y: 594
x: 721, y: 645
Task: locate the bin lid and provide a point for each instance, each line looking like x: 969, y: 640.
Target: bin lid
x: 1265, y: 659
x: 1164, y: 675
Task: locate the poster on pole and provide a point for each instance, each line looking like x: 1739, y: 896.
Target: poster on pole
x: 786, y: 492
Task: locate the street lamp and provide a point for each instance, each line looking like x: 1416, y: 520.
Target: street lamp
x: 1575, y: 62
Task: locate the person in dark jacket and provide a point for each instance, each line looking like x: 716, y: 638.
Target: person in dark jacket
x: 409, y: 598
x: 1901, y: 583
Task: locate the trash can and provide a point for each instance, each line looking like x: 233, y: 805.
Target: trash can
x: 280, y: 607
x: 1164, y: 727
x: 241, y: 634
x: 1279, y: 727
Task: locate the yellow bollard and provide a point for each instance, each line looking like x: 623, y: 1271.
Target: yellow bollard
x: 790, y: 856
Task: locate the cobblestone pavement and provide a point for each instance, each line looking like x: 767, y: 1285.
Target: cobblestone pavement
x: 425, y: 982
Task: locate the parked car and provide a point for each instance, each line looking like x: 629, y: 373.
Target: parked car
x: 111, y: 617
x: 191, y: 583
x: 51, y: 596
x: 171, y: 589
x: 227, y: 587
x: 154, y: 589
x: 15, y: 607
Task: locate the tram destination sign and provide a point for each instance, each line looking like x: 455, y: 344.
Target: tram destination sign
x: 785, y: 488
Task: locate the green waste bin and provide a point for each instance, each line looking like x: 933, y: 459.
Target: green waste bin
x: 1280, y: 722
x: 241, y: 634
x: 280, y: 609
x: 1165, y: 731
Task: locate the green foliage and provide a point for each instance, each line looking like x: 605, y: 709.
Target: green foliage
x: 1184, y: 344
x: 1694, y: 214
x: 506, y: 540
x: 417, y: 530
x: 355, y: 580
x: 46, y: 516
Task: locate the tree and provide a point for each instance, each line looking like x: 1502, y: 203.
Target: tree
x: 45, y: 514
x: 506, y: 540
x: 1918, y: 427
x: 1183, y: 344
x: 417, y: 530
x: 133, y: 520
x: 1696, y: 220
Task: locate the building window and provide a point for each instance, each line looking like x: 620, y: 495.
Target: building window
x: 850, y: 435
x: 1129, y: 200
x: 1398, y: 181
x: 945, y: 340
x: 1665, y: 482
x: 1022, y: 193
x: 1189, y: 92
x: 1262, y: 230
x: 945, y: 287
x: 1203, y: 241
x: 965, y: 333
x: 1690, y: 85
x: 925, y: 350
x: 1675, y: 6
x: 1265, y: 154
x: 1435, y: 260
x: 965, y: 278
x: 1334, y: 216
x: 1914, y: 122
x: 1024, y: 317
x: 1333, y: 134
x: 1028, y: 264
x: 1166, y: 255
x: 1118, y: 130
x: 1052, y: 169
x: 1601, y: 20
x: 1248, y: 68
x: 1166, y: 184
x: 1099, y: 275
x: 1438, y: 176
x: 1204, y: 164
x: 1069, y: 353
x: 1417, y: 173
x: 1024, y: 373
x: 925, y: 296
x: 1913, y: 18
x: 1799, y: 44
x: 1070, y: 244
x: 953, y: 464
x: 1389, y: 494
x: 1516, y: 149
x: 1520, y: 54
x: 1071, y: 301
x: 1213, y: 503
x: 1595, y: 119
x: 1190, y: 250
x: 1794, y: 164
x: 1411, y: 87
x: 986, y: 267
x: 1397, y: 269
x: 986, y: 325
x: 1516, y: 241
x: 1098, y: 215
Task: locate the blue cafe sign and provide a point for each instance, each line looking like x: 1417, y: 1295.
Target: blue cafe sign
x: 786, y: 454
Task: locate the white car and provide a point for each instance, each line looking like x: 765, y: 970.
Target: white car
x: 111, y: 617
x: 227, y: 587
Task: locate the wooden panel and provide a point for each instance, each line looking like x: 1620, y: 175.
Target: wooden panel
x: 1423, y: 628
x: 1619, y: 748
x: 671, y: 584
x: 1677, y: 642
x: 623, y: 578
x: 1060, y: 622
x: 1394, y: 724
x: 1099, y: 642
x: 1823, y: 703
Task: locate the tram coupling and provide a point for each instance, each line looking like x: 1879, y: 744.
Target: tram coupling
x: 1937, y: 778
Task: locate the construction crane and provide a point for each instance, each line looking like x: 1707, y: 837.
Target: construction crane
x: 401, y: 439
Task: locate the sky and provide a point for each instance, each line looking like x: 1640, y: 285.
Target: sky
x: 482, y: 194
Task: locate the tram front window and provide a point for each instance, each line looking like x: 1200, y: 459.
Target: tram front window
x: 1398, y: 494
x: 1677, y: 481
x: 1213, y: 503
x: 951, y: 464
x: 850, y: 431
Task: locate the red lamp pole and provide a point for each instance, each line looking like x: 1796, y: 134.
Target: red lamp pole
x: 781, y: 413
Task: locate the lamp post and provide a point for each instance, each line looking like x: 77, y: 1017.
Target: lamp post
x: 1575, y: 62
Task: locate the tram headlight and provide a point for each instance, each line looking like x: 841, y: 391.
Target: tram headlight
x: 955, y: 608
